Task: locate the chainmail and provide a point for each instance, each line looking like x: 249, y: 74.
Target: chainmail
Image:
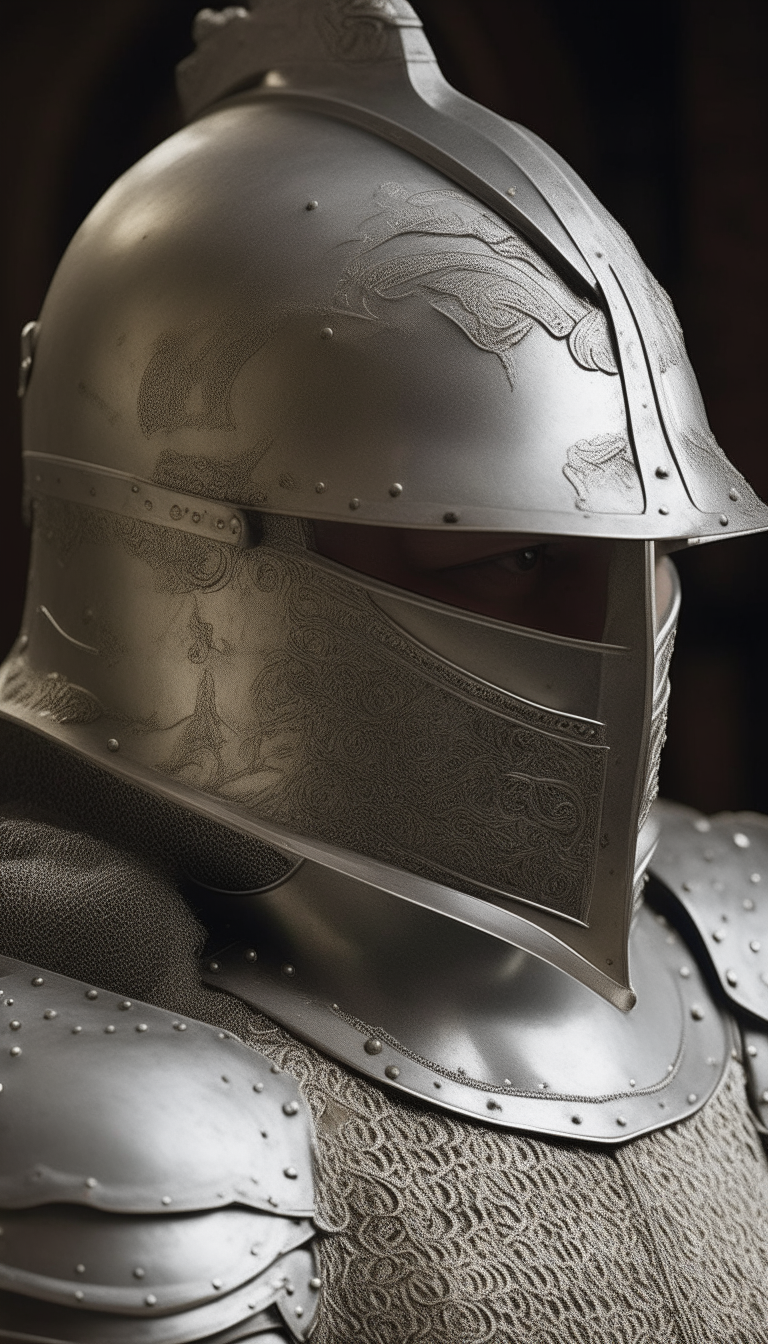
x: 436, y: 1229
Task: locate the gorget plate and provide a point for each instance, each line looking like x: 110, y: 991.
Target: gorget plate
x: 446, y: 1014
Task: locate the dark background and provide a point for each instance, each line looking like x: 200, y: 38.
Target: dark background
x: 660, y: 105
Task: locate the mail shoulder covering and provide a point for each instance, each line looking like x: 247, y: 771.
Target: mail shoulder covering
x: 156, y: 1181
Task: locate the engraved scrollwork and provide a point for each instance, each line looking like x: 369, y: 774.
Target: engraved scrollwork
x: 359, y: 30
x: 477, y: 271
x: 51, y: 696
x: 602, y: 471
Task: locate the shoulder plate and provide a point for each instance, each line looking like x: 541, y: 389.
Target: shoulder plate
x: 716, y: 869
x: 155, y: 1175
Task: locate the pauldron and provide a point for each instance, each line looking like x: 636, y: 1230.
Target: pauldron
x: 156, y: 1182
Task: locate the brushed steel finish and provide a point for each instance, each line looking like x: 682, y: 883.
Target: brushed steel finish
x: 445, y: 1014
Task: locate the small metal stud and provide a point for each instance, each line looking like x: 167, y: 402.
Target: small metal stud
x: 214, y: 966
x: 752, y: 1051
x: 216, y: 1283
x: 450, y: 517
x: 354, y: 503
x: 166, y: 1200
x: 685, y: 972
x: 764, y: 1096
x: 311, y: 205
x: 138, y: 1272
x: 258, y: 1087
x: 113, y: 744
x: 150, y: 1300
x: 492, y: 1104
x: 179, y: 1026
x: 662, y: 473
x: 315, y: 1284
x: 299, y: 1311
x: 697, y: 1012
x: 110, y: 1030
x: 664, y: 509
x: 288, y: 969
x: 687, y: 886
x: 691, y: 1098
x: 125, y: 1005
x: 733, y: 494
x: 754, y: 945
x: 15, y: 1025
x: 326, y: 333
x: 576, y: 1119
x: 91, y: 1182
x: 741, y: 840
x: 435, y: 1083
x: 511, y: 191
x: 748, y: 904
x: 632, y: 1082
x: 723, y: 520
x: 141, y: 1026
x: 15, y: 1051
x: 732, y: 978
x: 220, y: 524
x: 79, y: 1269
x: 701, y: 824
x: 373, y: 1046
x: 620, y: 1120
x: 79, y: 1295
x: 38, y: 980
x: 754, y: 878
x: 275, y: 1068
x: 76, y: 1030
x: 92, y: 994
x: 395, y: 489
x: 290, y: 1108
x: 392, y: 1071
x: 320, y: 487
x: 291, y: 1173
x: 251, y: 954
x: 719, y: 935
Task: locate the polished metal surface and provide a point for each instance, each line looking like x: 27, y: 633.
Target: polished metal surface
x: 717, y: 868
x: 459, y: 1020
x: 155, y: 1174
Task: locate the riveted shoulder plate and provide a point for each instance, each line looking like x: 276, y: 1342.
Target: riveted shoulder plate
x: 717, y: 869
x: 156, y: 1178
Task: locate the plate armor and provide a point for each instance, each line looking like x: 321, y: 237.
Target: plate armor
x: 354, y: 985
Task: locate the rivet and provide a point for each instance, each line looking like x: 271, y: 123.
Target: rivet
x: 113, y: 744
x: 299, y: 1311
x: 754, y: 878
x: 576, y: 1119
x: 15, y: 1051
x: 450, y: 517
x: 311, y: 205
x: 275, y: 1068
x: 288, y: 969
x: 664, y: 509
x: 354, y: 503
x: 290, y: 1172
x: 176, y: 513
x: 15, y: 1025
x: 79, y: 1269
x: 272, y: 1201
x: 79, y: 1295
x: 733, y: 494
x: 662, y: 473
x: 719, y: 935
x: 395, y: 489
x: 702, y: 825
x: 764, y: 1096
x: 435, y: 1083
x: 290, y: 1108
x: 179, y: 1026
x: 754, y: 945
x: 326, y: 333
x: 166, y: 1199
x: 685, y: 971
x: 92, y: 994
x: 23, y: 642
x: 38, y: 980
x: 224, y: 1078
x: 150, y: 1300
x: 691, y: 1098
x: 90, y: 1181
x: 258, y: 1087
x: 109, y: 1030
x: 732, y: 978
x: 148, y: 504
x: 392, y: 1071
x: 315, y: 1284
x: 234, y: 525
x: 220, y: 524
x: 320, y: 487
x: 134, y: 489
x: 216, y: 1283
x: 723, y: 520
x: 214, y: 966
x: 141, y: 1026
x: 138, y: 1272
x: 492, y: 1104
x: 740, y: 839
x: 75, y: 1030
x: 511, y: 191
x: 748, y: 904
x: 620, y: 1120
x: 598, y: 254
x: 251, y: 954
x: 632, y: 1082
x: 373, y: 1046
x: 697, y: 1012
x: 125, y: 1005
x: 662, y: 1105
x: 752, y: 1051
x: 195, y: 517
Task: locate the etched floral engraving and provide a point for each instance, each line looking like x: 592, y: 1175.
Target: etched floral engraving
x: 358, y: 30
x: 477, y: 270
x: 602, y: 472
x: 52, y: 696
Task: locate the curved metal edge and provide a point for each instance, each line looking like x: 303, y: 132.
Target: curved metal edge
x: 704, y: 1055
x: 716, y: 871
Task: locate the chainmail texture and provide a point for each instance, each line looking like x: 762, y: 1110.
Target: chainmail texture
x: 437, y: 1229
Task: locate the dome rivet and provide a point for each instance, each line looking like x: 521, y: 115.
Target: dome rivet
x: 734, y: 495
x: 38, y: 980
x: 251, y: 954
x: 326, y: 333
x: 354, y: 503
x: 320, y: 487
x: 662, y: 473
x: 290, y: 1108
x: 395, y: 489
x: 311, y: 205
x: 373, y: 1046
x: 450, y: 517
x: 291, y: 1173
x: 664, y: 509
x: 91, y: 993
x: 723, y: 520
x: 392, y: 1071
x: 113, y: 744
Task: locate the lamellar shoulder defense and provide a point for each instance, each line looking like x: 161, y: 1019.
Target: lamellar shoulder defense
x: 716, y: 871
x: 156, y: 1180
